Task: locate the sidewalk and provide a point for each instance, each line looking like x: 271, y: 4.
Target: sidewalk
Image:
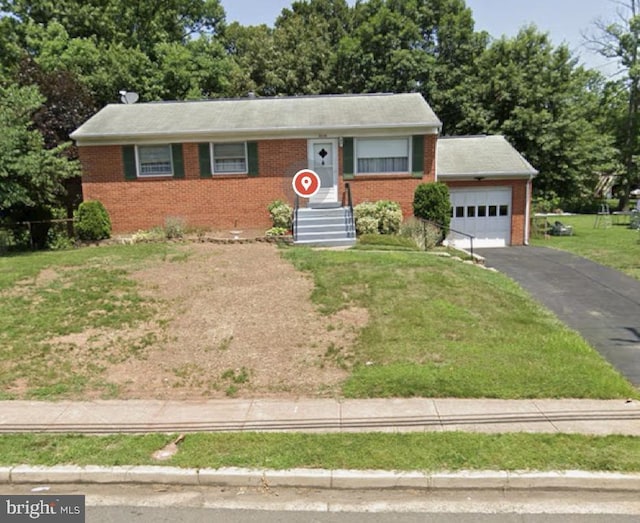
x: 595, y: 417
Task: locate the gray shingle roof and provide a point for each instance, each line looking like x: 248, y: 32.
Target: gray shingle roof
x: 487, y: 156
x: 302, y: 116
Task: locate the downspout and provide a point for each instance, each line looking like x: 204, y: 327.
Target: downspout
x: 527, y: 218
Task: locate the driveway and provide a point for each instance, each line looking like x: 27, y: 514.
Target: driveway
x: 602, y: 304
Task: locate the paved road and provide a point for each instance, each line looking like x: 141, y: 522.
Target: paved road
x: 196, y: 515
x: 193, y: 504
x: 602, y: 304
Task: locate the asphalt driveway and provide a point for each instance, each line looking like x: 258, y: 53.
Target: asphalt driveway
x: 602, y: 304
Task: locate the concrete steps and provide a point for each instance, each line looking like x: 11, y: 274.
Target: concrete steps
x: 325, y: 226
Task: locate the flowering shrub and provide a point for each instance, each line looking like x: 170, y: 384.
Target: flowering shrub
x: 382, y: 217
x: 281, y: 214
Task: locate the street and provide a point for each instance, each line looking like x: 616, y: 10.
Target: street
x: 157, y: 503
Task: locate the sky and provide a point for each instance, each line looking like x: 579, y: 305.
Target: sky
x: 564, y: 20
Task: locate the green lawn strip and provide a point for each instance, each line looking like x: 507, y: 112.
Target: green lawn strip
x: 48, y: 295
x: 440, y: 328
x: 617, y: 247
x: 405, y: 451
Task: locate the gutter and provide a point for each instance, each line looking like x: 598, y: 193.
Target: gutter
x: 527, y: 213
x: 249, y: 134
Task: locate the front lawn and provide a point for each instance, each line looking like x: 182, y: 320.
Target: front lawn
x: 440, y: 328
x: 617, y: 246
x: 80, y: 324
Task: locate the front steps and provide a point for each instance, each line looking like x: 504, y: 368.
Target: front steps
x: 325, y: 226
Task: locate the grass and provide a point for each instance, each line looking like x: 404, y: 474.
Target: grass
x: 48, y: 296
x: 439, y: 328
x: 617, y: 247
x: 386, y: 242
x: 405, y: 451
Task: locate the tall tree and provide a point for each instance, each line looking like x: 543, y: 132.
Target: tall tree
x: 31, y: 176
x: 306, y: 37
x: 620, y: 40
x: 254, y: 54
x: 548, y: 107
x: 133, y: 23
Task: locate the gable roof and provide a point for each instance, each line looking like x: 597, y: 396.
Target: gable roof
x: 253, y: 118
x: 485, y: 156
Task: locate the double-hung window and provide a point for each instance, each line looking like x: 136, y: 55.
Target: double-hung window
x: 154, y: 160
x: 382, y: 155
x: 229, y: 158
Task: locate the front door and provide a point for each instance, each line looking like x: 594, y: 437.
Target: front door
x: 323, y: 159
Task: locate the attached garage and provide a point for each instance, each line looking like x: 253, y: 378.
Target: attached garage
x: 490, y: 187
x: 484, y: 213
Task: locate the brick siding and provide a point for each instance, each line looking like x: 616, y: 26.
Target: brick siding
x: 224, y: 202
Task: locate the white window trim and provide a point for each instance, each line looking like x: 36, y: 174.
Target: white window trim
x: 368, y: 138
x: 164, y: 175
x: 228, y: 173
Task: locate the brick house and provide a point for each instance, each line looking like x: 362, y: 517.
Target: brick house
x: 219, y: 163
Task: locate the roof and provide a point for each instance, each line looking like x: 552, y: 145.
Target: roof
x: 253, y: 118
x: 474, y: 156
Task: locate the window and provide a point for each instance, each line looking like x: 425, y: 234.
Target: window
x: 382, y: 155
x: 482, y: 211
x: 459, y: 212
x: 229, y: 158
x: 154, y: 160
x: 504, y: 210
x: 493, y: 210
x: 471, y: 212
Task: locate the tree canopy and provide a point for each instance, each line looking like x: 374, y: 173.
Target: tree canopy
x: 60, y: 61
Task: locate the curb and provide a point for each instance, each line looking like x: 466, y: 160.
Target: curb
x: 323, y: 479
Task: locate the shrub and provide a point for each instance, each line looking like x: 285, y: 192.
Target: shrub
x: 277, y: 231
x: 382, y: 217
x: 431, y: 202
x: 174, y: 228
x: 426, y: 235
x: 281, y: 214
x: 367, y: 225
x: 389, y: 216
x: 92, y: 221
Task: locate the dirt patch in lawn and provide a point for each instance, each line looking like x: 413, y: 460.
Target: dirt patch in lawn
x: 236, y: 320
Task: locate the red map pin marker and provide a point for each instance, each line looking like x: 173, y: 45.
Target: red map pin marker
x: 306, y: 183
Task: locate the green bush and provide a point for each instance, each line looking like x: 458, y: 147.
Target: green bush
x: 281, y: 214
x: 277, y: 231
x: 382, y: 217
x: 92, y: 221
x: 431, y: 202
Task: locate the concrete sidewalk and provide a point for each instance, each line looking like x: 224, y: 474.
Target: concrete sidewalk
x: 595, y: 417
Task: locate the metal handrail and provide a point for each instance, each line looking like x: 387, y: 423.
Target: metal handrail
x: 449, y: 229
x: 296, y: 206
x: 350, y: 225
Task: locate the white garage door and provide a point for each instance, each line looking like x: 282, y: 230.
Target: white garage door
x: 484, y: 213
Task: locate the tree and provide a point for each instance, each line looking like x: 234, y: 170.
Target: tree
x: 306, y: 36
x: 67, y: 103
x: 620, y: 40
x: 31, y: 176
x: 132, y: 23
x: 162, y: 50
x: 253, y: 51
x: 383, y: 53
x: 548, y: 107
